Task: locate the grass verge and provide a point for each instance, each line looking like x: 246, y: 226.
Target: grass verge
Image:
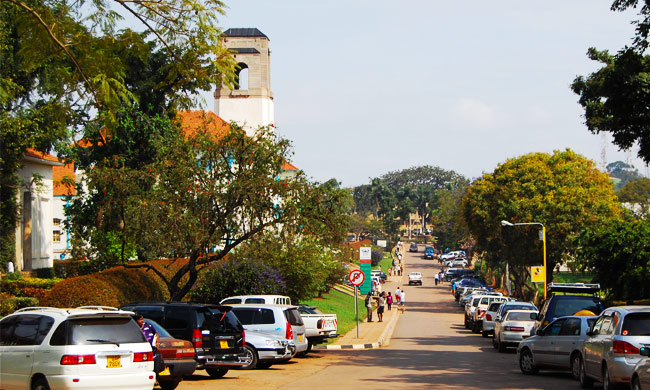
x: 340, y: 304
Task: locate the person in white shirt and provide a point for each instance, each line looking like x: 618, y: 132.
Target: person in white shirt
x: 402, y: 300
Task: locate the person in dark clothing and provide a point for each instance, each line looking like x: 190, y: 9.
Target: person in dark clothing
x: 368, y: 303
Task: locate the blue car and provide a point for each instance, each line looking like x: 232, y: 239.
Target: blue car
x: 428, y: 253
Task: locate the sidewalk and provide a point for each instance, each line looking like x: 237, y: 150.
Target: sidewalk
x: 371, y: 334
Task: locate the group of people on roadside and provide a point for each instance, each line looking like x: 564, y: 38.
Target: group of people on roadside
x: 384, y: 300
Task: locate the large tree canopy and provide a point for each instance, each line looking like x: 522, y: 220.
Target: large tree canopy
x: 65, y: 66
x: 564, y: 191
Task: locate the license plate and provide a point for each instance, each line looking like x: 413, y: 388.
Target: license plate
x: 113, y: 361
x: 165, y: 371
x: 223, y: 344
x: 300, y: 337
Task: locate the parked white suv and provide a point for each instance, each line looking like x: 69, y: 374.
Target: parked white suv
x: 282, y: 320
x: 415, y: 278
x: 89, y: 347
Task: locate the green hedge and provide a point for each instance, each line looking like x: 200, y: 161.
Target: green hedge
x: 113, y: 287
x: 10, y: 304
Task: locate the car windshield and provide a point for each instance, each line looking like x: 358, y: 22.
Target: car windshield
x: 571, y: 305
x: 636, y: 324
x: 519, y: 316
x: 215, y: 318
x: 88, y: 331
x: 293, y: 317
x: 518, y: 307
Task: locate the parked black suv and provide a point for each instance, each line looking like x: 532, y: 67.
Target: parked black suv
x: 215, y: 331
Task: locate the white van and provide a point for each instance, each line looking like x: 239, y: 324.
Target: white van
x: 257, y: 299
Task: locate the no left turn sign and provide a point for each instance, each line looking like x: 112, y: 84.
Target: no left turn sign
x: 356, y: 277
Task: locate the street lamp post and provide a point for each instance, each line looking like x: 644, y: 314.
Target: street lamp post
x: 506, y: 223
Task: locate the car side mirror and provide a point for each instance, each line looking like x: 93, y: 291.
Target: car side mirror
x: 533, y: 316
x: 644, y: 351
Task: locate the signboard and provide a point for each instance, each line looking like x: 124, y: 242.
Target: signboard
x: 382, y: 243
x: 537, y: 274
x: 364, y: 257
x: 356, y: 277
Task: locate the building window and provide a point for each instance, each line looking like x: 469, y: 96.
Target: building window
x: 56, y: 237
x: 56, y: 221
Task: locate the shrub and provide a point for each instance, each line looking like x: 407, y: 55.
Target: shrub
x: 71, y: 268
x: 114, y: 287
x: 242, y: 277
x: 26, y: 287
x: 10, y: 304
x: 45, y: 273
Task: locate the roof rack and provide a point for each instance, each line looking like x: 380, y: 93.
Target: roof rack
x: 37, y: 308
x: 104, y: 308
x: 575, y: 288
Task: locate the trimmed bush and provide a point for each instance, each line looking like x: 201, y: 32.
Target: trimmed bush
x: 45, y: 273
x: 114, y: 287
x: 9, y: 304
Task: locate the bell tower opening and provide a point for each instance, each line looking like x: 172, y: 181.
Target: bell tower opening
x: 242, y: 77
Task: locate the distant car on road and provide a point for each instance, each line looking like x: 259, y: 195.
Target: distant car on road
x: 413, y: 247
x: 428, y: 252
x: 415, y: 278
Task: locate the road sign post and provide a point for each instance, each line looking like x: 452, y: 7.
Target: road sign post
x: 365, y: 254
x: 356, y: 277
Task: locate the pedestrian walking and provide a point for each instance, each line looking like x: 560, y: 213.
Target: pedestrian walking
x: 389, y: 300
x: 402, y: 300
x: 435, y: 279
x: 398, y: 296
x: 380, y: 307
x: 368, y: 303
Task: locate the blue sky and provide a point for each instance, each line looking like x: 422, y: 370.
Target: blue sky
x: 367, y: 87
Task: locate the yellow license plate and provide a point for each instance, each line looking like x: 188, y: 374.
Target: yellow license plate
x: 223, y: 344
x: 113, y: 361
x: 300, y: 337
x: 165, y: 371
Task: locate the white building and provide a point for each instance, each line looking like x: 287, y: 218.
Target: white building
x: 36, y: 199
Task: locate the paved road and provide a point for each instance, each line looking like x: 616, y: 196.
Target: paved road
x: 429, y: 349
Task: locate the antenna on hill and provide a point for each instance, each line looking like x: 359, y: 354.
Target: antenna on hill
x: 603, y: 151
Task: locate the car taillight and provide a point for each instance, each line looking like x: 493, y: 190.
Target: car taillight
x: 625, y: 348
x: 514, y: 328
x: 185, y: 352
x: 289, y: 334
x: 73, y: 360
x: 197, y: 338
x: 139, y: 357
x: 488, y: 317
x: 243, y: 338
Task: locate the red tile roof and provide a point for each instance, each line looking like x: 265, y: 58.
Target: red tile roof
x: 40, y: 155
x: 192, y: 122
x: 58, y: 174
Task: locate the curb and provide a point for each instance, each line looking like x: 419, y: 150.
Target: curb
x: 383, y: 341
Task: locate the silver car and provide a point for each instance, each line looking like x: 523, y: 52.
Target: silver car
x: 510, y: 330
x: 641, y: 376
x: 612, y: 348
x: 558, y: 346
x: 265, y: 349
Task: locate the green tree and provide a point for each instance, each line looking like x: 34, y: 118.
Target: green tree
x: 426, y: 175
x: 564, y: 191
x: 201, y: 197
x: 617, y: 254
x: 244, y: 277
x: 447, y: 221
x: 637, y: 194
x: 65, y: 66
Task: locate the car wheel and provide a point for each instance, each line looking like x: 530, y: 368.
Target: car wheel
x: 575, y: 366
x: 501, y: 347
x: 607, y: 381
x: 494, y: 342
x: 466, y: 323
x: 216, y: 372
x: 250, y: 353
x: 526, y: 362
x: 636, y: 385
x: 169, y: 384
x: 585, y: 381
x: 485, y: 333
x: 40, y: 384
